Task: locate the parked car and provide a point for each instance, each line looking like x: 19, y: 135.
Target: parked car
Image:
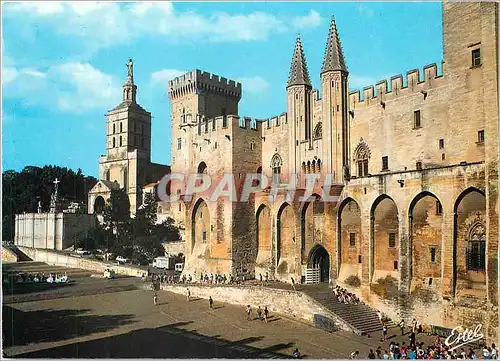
x: 121, y: 259
x: 83, y: 252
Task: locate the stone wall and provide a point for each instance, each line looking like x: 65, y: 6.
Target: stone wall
x: 65, y: 260
x: 291, y: 304
x: 430, y: 308
x: 50, y: 230
x: 174, y: 248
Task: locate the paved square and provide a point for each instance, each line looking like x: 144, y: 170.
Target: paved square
x: 127, y: 324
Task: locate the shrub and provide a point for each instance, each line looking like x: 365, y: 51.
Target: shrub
x: 353, y: 281
x: 386, y: 288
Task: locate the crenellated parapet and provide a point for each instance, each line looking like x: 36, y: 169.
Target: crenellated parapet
x: 415, y: 81
x: 224, y: 123
x: 197, y: 82
x: 274, y: 124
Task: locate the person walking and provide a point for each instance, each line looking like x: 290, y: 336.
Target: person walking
x: 155, y: 299
x: 379, y: 314
x: 412, y: 339
x: 293, y: 284
x: 259, y: 313
x: 384, y: 331
x: 210, y: 302
x: 188, y: 294
x: 354, y: 355
x: 402, y: 327
x: 371, y: 355
x: 249, y: 312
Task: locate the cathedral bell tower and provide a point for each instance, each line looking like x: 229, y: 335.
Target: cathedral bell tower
x: 299, y: 98
x: 335, y: 107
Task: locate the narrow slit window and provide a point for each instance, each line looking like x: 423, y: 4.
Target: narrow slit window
x: 385, y: 163
x: 476, y: 57
x: 433, y: 254
x: 392, y: 240
x: 352, y: 239
x: 417, y: 122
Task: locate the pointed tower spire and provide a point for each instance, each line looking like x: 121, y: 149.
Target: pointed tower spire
x: 334, y: 58
x: 299, y: 75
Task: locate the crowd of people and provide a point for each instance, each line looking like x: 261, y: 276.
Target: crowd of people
x: 437, y: 350
x: 215, y: 279
x: 344, y: 296
x: 37, y: 278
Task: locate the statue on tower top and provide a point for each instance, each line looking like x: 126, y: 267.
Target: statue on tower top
x: 130, y: 69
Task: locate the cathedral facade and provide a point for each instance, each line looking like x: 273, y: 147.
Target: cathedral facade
x: 414, y: 160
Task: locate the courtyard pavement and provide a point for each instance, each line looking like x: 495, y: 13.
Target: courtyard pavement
x: 126, y: 324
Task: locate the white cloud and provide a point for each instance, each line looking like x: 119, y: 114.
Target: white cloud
x: 73, y: 87
x: 255, y: 84
x: 311, y: 20
x: 102, y: 24
x: 9, y: 73
x: 164, y: 75
x: 40, y: 8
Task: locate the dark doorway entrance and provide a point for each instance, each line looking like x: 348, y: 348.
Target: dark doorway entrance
x: 320, y: 259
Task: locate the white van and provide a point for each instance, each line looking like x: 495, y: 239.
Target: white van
x: 163, y: 262
x: 179, y: 267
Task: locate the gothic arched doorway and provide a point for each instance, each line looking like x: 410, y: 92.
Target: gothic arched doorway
x: 319, y: 258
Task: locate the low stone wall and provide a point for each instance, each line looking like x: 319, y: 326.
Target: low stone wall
x: 291, y: 304
x: 65, y: 260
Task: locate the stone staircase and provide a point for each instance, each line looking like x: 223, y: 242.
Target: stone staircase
x: 361, y: 318
x: 21, y: 257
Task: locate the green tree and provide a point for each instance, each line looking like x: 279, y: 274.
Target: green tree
x: 21, y: 191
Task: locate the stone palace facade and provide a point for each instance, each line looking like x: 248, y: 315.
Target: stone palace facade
x: 415, y: 158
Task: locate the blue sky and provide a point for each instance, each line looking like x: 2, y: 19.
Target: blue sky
x: 63, y: 64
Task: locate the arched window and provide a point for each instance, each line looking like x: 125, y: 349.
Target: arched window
x: 361, y: 156
x: 114, y: 142
x: 318, y: 165
x: 308, y: 166
x: 304, y: 167
x: 202, y: 169
x: 121, y: 127
x: 318, y: 130
x: 476, y: 248
x: 120, y: 140
x: 276, y: 164
x: 114, y: 129
x: 314, y: 166
x: 106, y: 174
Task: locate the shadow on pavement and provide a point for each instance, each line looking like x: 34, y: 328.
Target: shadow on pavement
x: 22, y: 328
x: 163, y: 342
